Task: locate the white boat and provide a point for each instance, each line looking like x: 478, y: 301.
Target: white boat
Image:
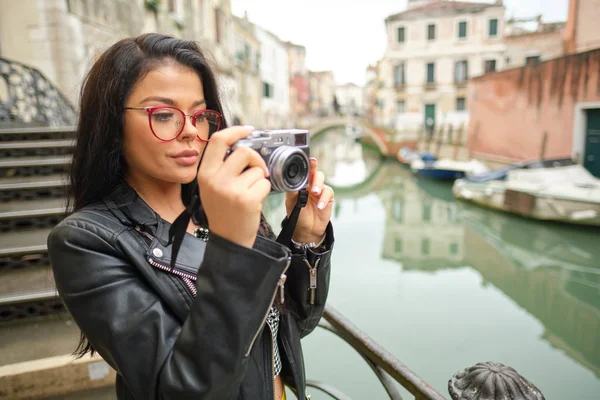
x: 565, y: 193
x: 447, y: 169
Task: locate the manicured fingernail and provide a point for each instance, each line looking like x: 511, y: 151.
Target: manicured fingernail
x: 249, y: 127
x: 312, y: 159
x: 321, y: 205
x: 316, y: 189
x: 267, y: 174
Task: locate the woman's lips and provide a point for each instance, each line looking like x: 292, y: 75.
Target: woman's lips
x: 186, y: 157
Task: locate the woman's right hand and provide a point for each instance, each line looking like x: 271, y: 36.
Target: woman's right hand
x: 232, y: 190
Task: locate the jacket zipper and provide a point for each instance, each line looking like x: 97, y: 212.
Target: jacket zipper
x: 312, y: 275
x: 280, y: 287
x: 188, y: 279
x: 146, y: 234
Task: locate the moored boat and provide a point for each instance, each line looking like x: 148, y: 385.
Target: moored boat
x: 446, y: 169
x: 566, y: 193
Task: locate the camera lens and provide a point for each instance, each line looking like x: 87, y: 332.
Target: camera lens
x: 289, y: 169
x: 294, y: 170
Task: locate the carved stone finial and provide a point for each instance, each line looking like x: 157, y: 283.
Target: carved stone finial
x: 492, y: 381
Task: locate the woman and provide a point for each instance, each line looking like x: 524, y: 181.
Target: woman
x: 150, y: 134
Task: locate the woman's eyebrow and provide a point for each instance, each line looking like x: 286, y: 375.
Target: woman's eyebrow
x: 170, y: 101
x: 158, y: 98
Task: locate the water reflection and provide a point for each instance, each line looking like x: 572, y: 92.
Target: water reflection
x: 550, y: 271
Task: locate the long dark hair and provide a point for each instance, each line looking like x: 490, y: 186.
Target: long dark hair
x: 98, y: 163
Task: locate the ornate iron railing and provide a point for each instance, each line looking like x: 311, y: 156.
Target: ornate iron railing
x: 27, y: 97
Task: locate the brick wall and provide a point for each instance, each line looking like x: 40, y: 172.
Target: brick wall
x: 511, y: 110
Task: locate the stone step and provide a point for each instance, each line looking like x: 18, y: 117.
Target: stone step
x: 30, y: 304
x: 105, y: 393
x: 36, y: 133
x: 32, y: 187
x: 37, y: 165
x: 22, y: 280
x: 32, y: 339
x: 31, y: 214
x: 23, y: 243
x: 36, y: 148
x: 29, y: 144
x: 55, y: 377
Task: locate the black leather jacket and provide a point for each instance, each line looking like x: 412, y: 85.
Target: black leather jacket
x: 195, y: 332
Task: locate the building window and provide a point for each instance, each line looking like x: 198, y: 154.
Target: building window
x: 430, y: 72
x: 493, y: 28
x: 462, y: 29
x: 461, y: 71
x: 532, y: 60
x: 267, y: 90
x: 431, y: 32
x: 426, y: 212
x: 397, y: 209
x: 398, y: 245
x: 425, y: 247
x: 401, y: 34
x: 454, y: 248
x: 400, y: 106
x: 399, y: 78
x: 490, y: 66
x: 461, y: 104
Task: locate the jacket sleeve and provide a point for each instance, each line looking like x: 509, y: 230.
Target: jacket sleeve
x: 135, y: 331
x: 308, y: 283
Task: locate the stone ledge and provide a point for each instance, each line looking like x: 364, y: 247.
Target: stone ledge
x: 53, y: 376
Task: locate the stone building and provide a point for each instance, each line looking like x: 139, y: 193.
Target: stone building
x: 275, y: 80
x: 298, y: 83
x: 322, y: 91
x: 582, y: 31
x: 433, y: 48
x: 552, y: 108
x: 61, y: 38
x: 247, y: 74
x: 350, y: 99
x: 370, y: 92
x: 527, y: 47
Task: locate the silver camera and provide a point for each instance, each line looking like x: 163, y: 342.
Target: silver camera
x: 286, y: 153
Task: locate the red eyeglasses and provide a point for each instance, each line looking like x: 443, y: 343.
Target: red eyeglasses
x: 167, y: 123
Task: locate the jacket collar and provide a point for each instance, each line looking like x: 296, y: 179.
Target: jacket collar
x: 136, y: 211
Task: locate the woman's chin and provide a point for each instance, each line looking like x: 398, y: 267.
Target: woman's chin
x: 183, y: 178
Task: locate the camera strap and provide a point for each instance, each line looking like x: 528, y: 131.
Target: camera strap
x: 179, y: 226
x: 289, y: 225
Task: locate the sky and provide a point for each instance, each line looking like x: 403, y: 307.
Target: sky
x: 345, y: 36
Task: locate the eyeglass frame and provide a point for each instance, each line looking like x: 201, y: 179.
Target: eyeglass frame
x: 151, y: 109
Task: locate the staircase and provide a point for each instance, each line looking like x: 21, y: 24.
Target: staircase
x: 33, y: 164
x: 37, y: 335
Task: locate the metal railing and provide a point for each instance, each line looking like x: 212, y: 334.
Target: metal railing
x: 386, y: 367
x: 27, y: 97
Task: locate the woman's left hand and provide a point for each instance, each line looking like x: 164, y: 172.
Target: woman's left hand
x: 315, y: 216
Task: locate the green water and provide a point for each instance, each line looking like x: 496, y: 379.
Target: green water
x: 443, y: 285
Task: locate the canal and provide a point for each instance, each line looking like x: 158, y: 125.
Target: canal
x: 443, y: 285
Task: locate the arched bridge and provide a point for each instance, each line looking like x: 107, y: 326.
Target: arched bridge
x: 382, y: 137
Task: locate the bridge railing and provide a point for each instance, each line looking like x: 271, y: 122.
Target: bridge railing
x: 385, y: 366
x: 484, y: 381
